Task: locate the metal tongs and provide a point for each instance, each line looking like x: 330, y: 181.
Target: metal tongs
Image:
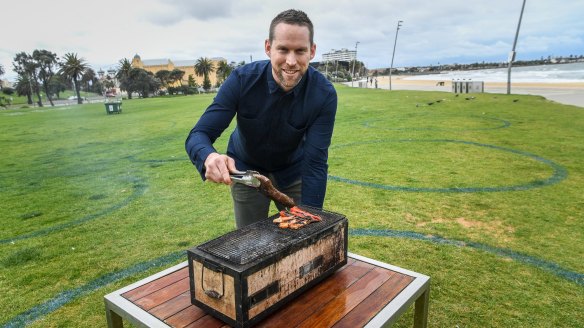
x: 247, y: 178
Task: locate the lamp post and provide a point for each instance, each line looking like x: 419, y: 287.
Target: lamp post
x: 512, y: 53
x: 393, y: 55
x: 354, y: 60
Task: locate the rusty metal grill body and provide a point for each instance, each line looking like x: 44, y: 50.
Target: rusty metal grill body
x: 246, y: 274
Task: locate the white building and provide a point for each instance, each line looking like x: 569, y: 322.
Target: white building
x: 5, y: 84
x: 340, y: 55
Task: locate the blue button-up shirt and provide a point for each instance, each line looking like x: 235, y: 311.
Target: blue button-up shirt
x: 283, y: 133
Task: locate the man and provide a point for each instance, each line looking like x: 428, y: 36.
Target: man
x: 285, y: 113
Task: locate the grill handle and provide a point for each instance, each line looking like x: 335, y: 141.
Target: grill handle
x: 217, y: 269
x: 310, y: 266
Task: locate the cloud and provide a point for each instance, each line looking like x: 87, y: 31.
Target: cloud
x: 447, y: 31
x: 170, y: 12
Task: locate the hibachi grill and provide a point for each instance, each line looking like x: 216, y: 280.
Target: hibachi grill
x: 243, y: 276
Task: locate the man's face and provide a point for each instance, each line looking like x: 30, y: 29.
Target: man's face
x: 289, y: 52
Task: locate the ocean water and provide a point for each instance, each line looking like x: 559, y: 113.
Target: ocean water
x: 555, y: 73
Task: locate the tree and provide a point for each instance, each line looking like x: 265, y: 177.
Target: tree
x: 57, y: 85
x: 46, y: 61
x: 109, y: 84
x: 176, y: 75
x: 2, y: 71
x: 25, y: 66
x: 4, y: 90
x: 204, y: 67
x: 23, y: 87
x: 141, y: 81
x: 191, y: 81
x: 89, y: 79
x: 73, y: 68
x: 164, y: 76
x: 123, y: 73
x: 223, y: 71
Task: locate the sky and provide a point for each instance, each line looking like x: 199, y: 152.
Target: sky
x: 432, y: 33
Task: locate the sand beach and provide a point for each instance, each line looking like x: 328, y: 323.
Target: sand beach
x: 569, y: 93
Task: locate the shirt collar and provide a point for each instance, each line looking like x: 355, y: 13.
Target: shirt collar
x: 274, y: 87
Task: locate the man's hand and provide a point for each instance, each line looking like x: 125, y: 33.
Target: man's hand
x: 217, y: 168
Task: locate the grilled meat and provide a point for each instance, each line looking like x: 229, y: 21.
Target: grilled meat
x: 268, y: 189
x: 295, y: 218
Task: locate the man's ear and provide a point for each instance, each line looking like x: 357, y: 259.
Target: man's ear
x: 312, y: 50
x: 267, y: 47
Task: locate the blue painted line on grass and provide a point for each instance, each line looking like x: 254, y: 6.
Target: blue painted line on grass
x: 559, y: 172
x: 137, y: 160
x: 551, y: 267
x: 503, y: 124
x: 68, y: 296
x: 139, y: 189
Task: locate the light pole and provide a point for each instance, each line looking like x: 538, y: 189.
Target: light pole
x: 512, y: 53
x: 354, y: 60
x: 393, y: 55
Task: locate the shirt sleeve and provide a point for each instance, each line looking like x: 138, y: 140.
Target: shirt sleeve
x: 215, y: 119
x: 317, y: 142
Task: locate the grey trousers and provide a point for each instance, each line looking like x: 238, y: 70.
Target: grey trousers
x: 251, y: 206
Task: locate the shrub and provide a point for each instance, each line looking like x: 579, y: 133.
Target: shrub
x: 8, y: 91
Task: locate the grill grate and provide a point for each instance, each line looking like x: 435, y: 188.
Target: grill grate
x: 263, y: 238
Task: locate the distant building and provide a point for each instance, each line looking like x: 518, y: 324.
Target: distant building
x: 5, y: 84
x: 340, y: 55
x: 188, y: 66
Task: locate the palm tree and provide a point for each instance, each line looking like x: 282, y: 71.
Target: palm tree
x: 223, y: 70
x: 123, y: 74
x: 23, y: 87
x: 73, y: 68
x: 88, y: 77
x: 204, y: 67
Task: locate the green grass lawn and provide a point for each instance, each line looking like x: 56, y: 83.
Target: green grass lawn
x: 484, y: 195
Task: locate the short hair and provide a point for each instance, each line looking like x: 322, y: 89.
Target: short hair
x: 292, y: 17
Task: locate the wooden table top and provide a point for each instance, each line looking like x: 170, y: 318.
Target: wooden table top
x: 351, y: 297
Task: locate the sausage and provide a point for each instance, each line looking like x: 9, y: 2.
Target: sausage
x: 268, y: 189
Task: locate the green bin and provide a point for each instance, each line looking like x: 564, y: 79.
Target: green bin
x: 113, y: 107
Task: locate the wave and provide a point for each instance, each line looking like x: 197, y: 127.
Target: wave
x: 555, y: 73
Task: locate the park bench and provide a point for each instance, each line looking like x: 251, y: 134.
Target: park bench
x: 365, y: 292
